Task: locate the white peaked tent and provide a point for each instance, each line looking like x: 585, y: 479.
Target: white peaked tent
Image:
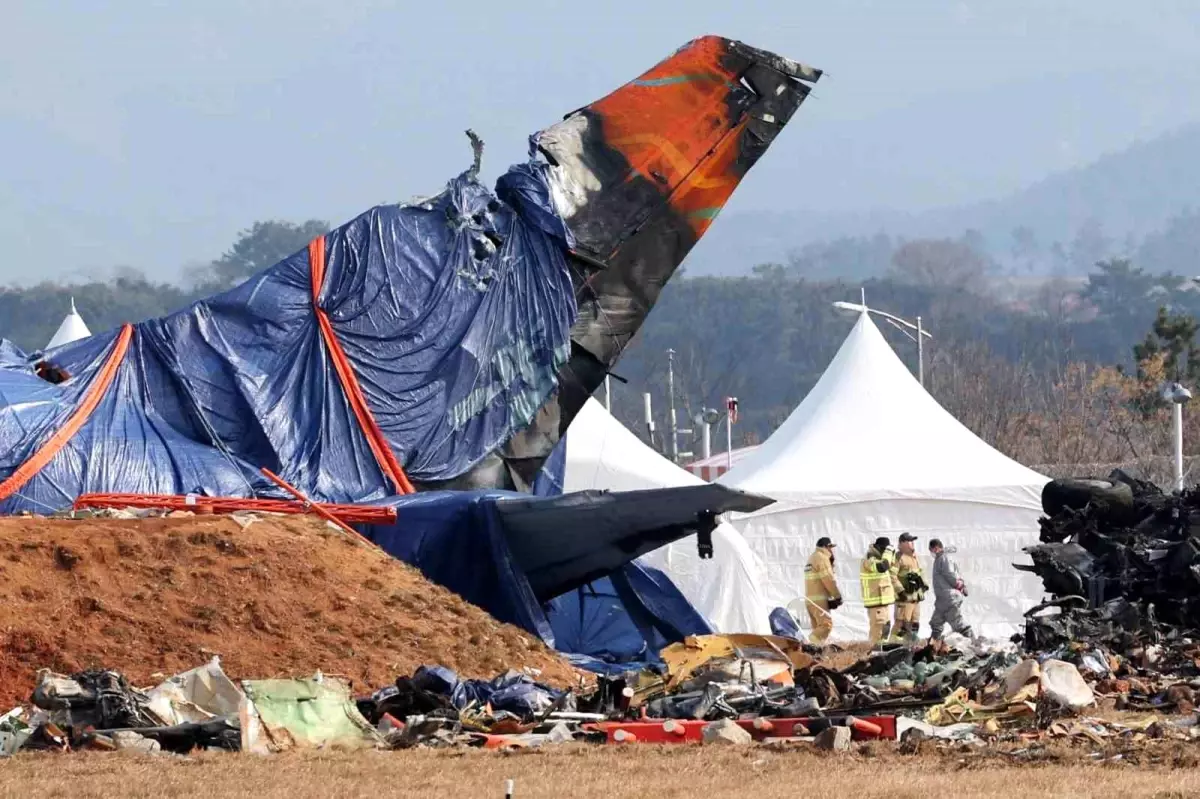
x: 72, y: 328
x: 603, y: 454
x: 868, y: 453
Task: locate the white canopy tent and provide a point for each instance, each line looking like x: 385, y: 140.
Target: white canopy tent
x: 603, y: 454
x: 868, y: 453
x: 73, y: 328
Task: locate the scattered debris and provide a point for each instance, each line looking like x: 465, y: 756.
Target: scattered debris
x: 1061, y: 683
x: 725, y: 732
x: 707, y: 690
x: 129, y: 740
x: 834, y: 739
x: 1120, y: 558
x: 14, y: 731
x: 196, y: 696
x: 1121, y: 561
x: 317, y: 713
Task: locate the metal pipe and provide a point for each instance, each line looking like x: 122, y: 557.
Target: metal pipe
x: 728, y: 442
x: 1177, y: 412
x: 607, y: 394
x: 920, y: 354
x: 649, y: 420
x: 706, y: 441
x: 671, y: 404
x: 905, y: 333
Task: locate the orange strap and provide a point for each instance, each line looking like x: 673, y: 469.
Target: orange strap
x: 318, y: 508
x: 95, y: 392
x: 380, y: 447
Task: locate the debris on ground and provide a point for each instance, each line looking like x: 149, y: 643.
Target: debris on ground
x: 834, y: 739
x: 1121, y: 559
x: 314, y: 713
x: 714, y: 690
x: 155, y: 596
x: 724, y: 732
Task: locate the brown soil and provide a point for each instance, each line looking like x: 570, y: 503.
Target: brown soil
x: 284, y: 597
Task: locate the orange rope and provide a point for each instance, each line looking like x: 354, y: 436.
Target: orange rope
x: 316, y: 508
x: 380, y: 447
x: 91, y: 398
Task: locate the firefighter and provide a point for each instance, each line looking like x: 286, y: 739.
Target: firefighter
x: 821, y: 594
x: 878, y: 588
x: 910, y: 591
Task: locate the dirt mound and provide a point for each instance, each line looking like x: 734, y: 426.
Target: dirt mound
x: 283, y: 597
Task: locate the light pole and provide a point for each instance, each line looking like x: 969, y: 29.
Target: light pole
x: 918, y: 334
x: 1177, y: 395
x: 673, y: 426
x: 731, y: 414
x: 705, y: 419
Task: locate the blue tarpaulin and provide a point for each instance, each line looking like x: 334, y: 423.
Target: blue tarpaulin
x: 123, y: 444
x: 783, y: 624
x: 454, y: 314
x: 622, y: 619
x: 512, y: 691
x: 432, y: 688
x: 11, y: 355
x: 457, y: 539
x: 460, y: 540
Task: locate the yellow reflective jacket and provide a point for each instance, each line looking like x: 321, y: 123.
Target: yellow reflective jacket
x: 907, y: 564
x: 877, y: 587
x: 819, y: 582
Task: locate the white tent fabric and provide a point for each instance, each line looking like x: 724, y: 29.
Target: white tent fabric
x: 603, y: 454
x: 868, y: 453
x: 73, y: 328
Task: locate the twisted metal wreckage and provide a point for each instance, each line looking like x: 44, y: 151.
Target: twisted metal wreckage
x: 1121, y: 561
x: 439, y: 348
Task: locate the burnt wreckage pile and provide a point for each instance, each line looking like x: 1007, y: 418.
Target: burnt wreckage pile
x: 1121, y: 560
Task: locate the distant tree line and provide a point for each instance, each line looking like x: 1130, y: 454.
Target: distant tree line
x: 1175, y: 247
x: 29, y: 316
x: 1000, y: 354
x: 1044, y: 369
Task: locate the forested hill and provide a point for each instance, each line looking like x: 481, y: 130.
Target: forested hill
x: 1140, y: 202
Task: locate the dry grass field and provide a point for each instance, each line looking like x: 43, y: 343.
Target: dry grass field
x: 683, y: 772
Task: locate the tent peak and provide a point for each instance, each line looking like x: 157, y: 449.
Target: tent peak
x: 867, y: 430
x: 73, y: 328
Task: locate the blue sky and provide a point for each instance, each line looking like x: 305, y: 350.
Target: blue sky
x: 146, y: 134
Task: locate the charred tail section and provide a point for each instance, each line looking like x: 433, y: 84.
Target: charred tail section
x: 643, y: 172
x: 639, y: 177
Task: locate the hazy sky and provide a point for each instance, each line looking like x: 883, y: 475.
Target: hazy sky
x: 146, y: 134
